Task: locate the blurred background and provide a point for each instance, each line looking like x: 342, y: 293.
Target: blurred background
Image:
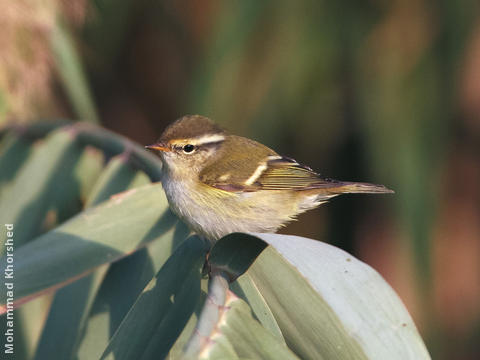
x: 369, y: 90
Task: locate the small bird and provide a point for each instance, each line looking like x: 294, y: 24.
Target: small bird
x: 218, y: 183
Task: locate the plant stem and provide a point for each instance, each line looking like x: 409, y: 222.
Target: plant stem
x: 210, y: 315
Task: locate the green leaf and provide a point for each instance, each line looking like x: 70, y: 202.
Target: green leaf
x: 232, y: 257
x: 72, y: 303
x: 126, y: 278
x: 86, y: 173
x: 159, y: 315
x: 245, y: 288
x: 108, y: 142
x: 72, y: 74
x: 70, y: 306
x: 28, y: 324
x: 119, y: 290
x: 234, y: 254
x: 118, y: 176
x: 240, y: 335
x: 95, y: 237
x: 63, y: 171
x: 178, y: 349
x: 330, y: 305
x: 114, y: 144
x: 14, y: 151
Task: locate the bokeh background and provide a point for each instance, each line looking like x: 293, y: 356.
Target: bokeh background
x: 368, y: 90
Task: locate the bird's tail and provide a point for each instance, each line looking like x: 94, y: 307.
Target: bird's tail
x: 331, y: 188
x: 346, y: 187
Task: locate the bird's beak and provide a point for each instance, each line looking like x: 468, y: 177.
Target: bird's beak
x: 158, y: 147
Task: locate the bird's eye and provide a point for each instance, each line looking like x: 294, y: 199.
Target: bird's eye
x: 188, y: 148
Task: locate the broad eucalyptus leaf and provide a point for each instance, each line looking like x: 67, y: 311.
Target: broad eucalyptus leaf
x: 160, y: 313
x: 239, y: 335
x: 326, y: 303
x: 72, y: 303
x: 48, y: 188
x: 233, y: 258
x: 97, y: 236
x: 329, y: 305
x: 14, y: 151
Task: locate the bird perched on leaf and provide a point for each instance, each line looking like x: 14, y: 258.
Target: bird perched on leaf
x: 219, y: 183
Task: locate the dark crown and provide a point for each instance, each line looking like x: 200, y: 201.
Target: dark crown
x: 190, y: 126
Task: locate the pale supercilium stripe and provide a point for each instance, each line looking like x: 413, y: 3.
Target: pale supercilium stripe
x: 206, y: 139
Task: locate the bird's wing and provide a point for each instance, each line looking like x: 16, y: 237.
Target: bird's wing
x: 234, y: 170
x: 274, y: 172
x: 286, y: 174
x: 257, y: 167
